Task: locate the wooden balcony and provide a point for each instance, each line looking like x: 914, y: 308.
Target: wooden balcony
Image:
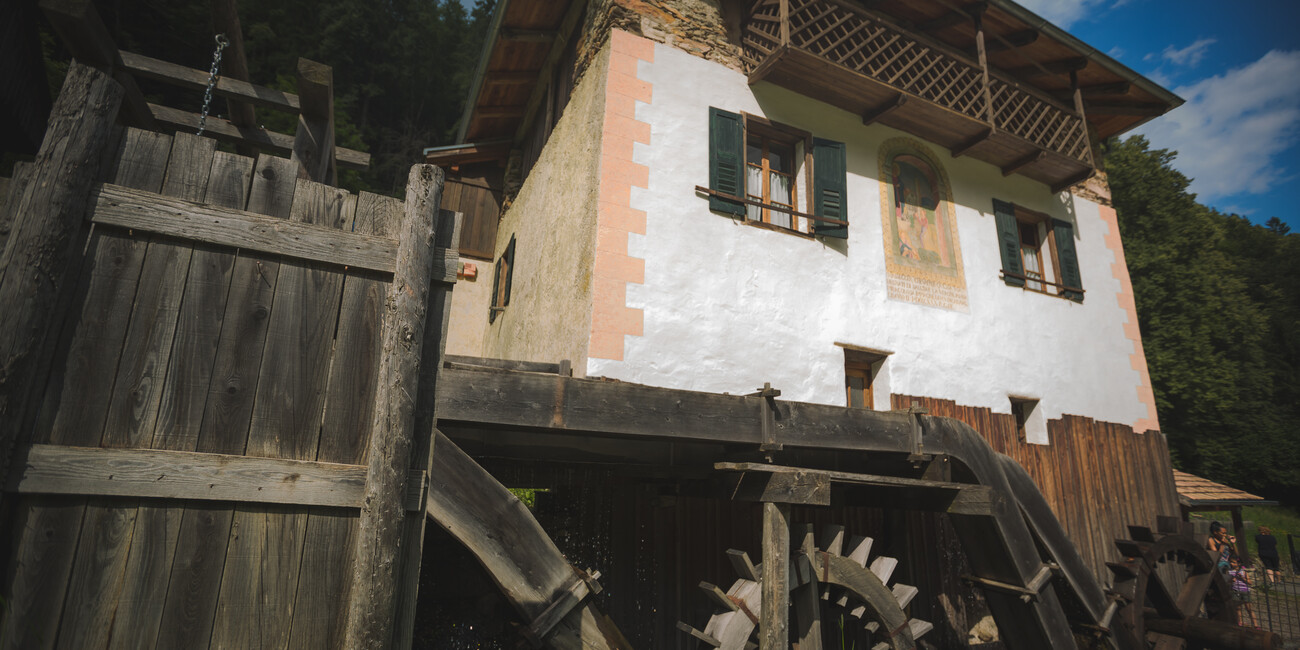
x: 862, y: 61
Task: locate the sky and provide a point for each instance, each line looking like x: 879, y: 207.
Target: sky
x: 1237, y: 64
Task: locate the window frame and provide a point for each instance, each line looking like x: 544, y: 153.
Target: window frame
x: 769, y: 132
x: 1044, y: 227
x: 502, y: 279
x: 864, y: 364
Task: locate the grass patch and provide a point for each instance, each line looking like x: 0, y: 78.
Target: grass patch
x: 1282, y: 520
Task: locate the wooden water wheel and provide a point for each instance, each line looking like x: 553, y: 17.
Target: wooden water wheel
x: 1168, y: 588
x: 831, y: 582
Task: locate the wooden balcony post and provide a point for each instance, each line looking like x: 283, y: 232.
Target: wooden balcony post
x: 984, y: 67
x: 785, y: 23
x: 1083, y: 117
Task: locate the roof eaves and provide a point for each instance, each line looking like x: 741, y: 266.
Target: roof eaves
x: 476, y: 84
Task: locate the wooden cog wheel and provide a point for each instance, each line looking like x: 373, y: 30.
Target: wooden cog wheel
x: 1165, y: 578
x: 849, y: 593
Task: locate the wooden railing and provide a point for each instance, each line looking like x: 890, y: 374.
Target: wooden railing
x: 871, y: 45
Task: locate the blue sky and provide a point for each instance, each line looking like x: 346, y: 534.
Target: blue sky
x: 1238, y: 66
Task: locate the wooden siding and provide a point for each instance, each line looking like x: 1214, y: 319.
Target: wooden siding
x: 475, y: 191
x: 1099, y: 477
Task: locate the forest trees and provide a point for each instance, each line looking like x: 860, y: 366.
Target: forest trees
x: 1219, y: 306
x: 401, y: 67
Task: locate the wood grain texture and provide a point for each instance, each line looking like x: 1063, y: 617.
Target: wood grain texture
x: 349, y: 405
x: 164, y: 474
x: 372, y: 604
x: 14, y: 188
x: 265, y: 550
x: 133, y: 412
x: 237, y: 229
x: 266, y: 141
x: 226, y: 86
x: 82, y: 379
x: 200, y: 546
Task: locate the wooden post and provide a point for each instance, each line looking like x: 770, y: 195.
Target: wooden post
x: 1083, y: 117
x: 225, y: 20
x: 807, y: 596
x: 372, y: 603
x: 984, y: 67
x: 785, y: 22
x: 1239, y: 531
x: 46, y: 233
x: 313, y: 144
x: 775, y: 616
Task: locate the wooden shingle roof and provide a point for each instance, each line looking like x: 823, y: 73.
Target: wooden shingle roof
x: 1196, y: 491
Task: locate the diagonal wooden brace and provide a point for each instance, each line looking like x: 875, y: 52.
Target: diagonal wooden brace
x: 584, y: 584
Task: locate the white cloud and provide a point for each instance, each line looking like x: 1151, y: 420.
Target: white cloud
x: 1234, y: 125
x: 1190, y: 55
x: 1063, y: 13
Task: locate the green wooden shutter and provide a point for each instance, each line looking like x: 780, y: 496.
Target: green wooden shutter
x: 496, y: 293
x: 726, y: 160
x: 1063, y: 232
x: 1009, y: 241
x: 830, y: 184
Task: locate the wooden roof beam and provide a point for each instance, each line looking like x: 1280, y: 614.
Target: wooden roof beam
x: 1127, y: 108
x: 1072, y: 180
x: 1117, y: 88
x: 568, y: 25
x: 1063, y: 66
x: 884, y: 108
x: 514, y: 78
x: 953, y: 18
x: 961, y: 149
x: 1024, y: 162
x: 528, y: 35
x: 1011, y: 41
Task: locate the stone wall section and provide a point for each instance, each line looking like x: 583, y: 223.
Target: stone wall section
x: 614, y: 268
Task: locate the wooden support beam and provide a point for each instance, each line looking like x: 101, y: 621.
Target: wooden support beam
x: 489, y: 112
x: 954, y: 17
x: 234, y: 65
x: 372, y: 603
x: 1127, y: 108
x: 159, y: 474
x: 1012, y: 41
x: 1072, y: 180
x: 981, y: 51
x: 1023, y: 162
x: 179, y: 75
x: 805, y: 488
x: 884, y: 108
x: 807, y: 595
x: 313, y: 143
x: 46, y: 236
x: 150, y: 212
x: 528, y: 35
x: 941, y: 496
x: 775, y: 616
x: 1062, y: 66
x: 269, y: 141
x: 83, y: 32
x: 961, y: 149
x: 1095, y: 90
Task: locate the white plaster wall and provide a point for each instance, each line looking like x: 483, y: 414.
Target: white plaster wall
x: 730, y: 306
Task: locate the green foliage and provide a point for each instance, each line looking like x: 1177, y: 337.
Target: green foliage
x: 401, y: 67
x: 1219, y: 306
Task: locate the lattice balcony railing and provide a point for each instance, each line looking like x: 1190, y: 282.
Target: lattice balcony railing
x: 863, y: 43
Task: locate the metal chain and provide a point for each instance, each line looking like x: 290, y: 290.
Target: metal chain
x: 212, y: 80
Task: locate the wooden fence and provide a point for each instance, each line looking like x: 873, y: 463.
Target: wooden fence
x: 210, y: 395
x: 1098, y: 477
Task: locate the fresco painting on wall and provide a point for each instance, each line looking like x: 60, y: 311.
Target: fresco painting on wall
x: 922, y: 253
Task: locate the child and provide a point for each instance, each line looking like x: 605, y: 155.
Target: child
x: 1241, y: 589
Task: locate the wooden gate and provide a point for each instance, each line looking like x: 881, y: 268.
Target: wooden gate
x: 211, y: 393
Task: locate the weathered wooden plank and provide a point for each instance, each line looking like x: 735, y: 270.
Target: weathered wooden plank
x: 98, y: 575
x: 505, y: 538
x: 446, y: 234
x: 318, y: 619
x: 239, y: 229
x: 372, y: 603
x: 313, y: 142
x: 810, y: 488
x: 226, y: 86
x: 165, y: 474
x: 956, y: 498
x: 46, y: 550
x: 267, y: 141
x: 192, y: 603
x: 775, y: 614
x: 15, y: 187
x: 265, y: 552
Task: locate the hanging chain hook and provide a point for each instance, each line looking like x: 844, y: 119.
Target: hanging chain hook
x: 222, y: 42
